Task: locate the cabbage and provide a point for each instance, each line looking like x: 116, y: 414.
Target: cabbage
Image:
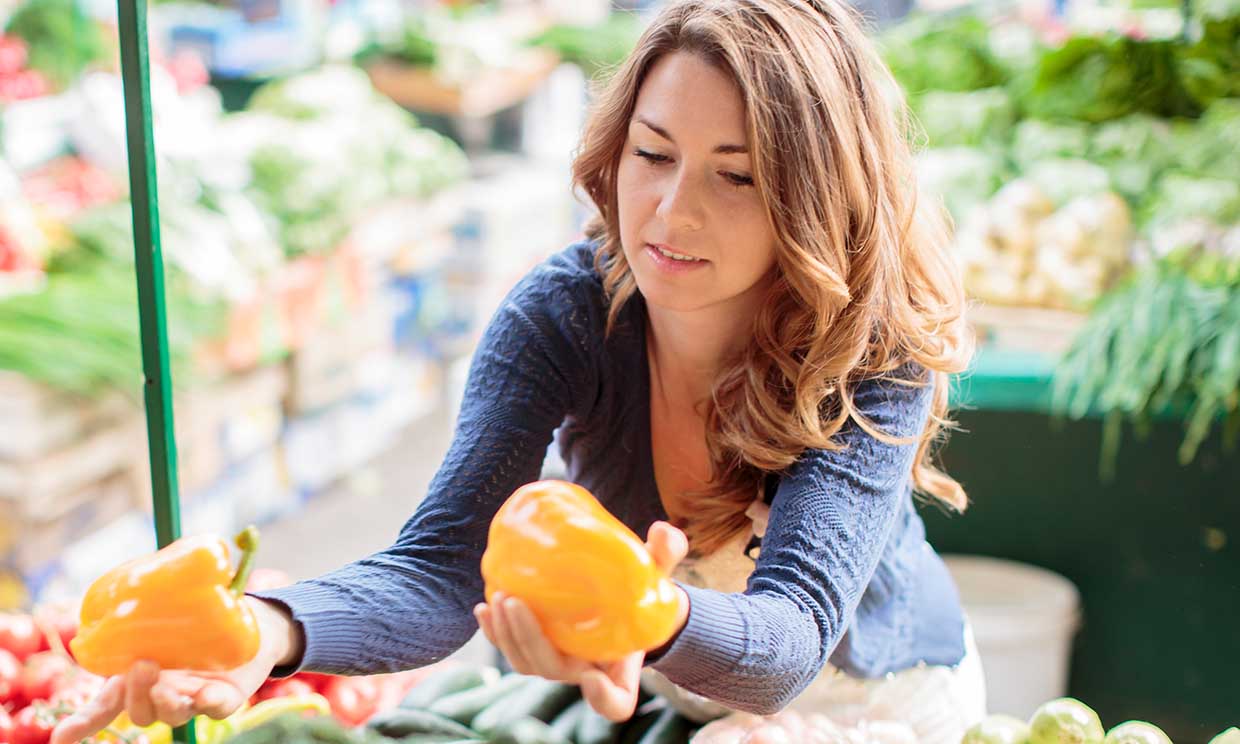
x: 972, y: 118
x: 1136, y: 732
x: 1039, y: 140
x: 964, y: 177
x: 1181, y: 197
x: 1065, y: 179
x: 997, y: 729
x: 1065, y: 721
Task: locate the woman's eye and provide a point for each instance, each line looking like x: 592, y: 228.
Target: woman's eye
x: 652, y: 157
x: 737, y: 179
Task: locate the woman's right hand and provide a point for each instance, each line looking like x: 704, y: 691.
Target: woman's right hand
x: 149, y: 694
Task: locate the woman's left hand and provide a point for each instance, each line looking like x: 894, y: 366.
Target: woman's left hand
x: 610, y: 688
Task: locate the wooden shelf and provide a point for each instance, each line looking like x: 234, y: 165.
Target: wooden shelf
x: 418, y: 89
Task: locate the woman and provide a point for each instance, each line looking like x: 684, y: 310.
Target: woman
x: 747, y: 361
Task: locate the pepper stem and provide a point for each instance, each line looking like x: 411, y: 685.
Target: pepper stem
x: 247, y: 540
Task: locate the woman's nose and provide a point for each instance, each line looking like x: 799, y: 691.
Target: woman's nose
x: 681, y: 204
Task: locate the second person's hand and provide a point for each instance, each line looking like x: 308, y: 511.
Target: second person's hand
x: 612, y: 688
x: 149, y: 694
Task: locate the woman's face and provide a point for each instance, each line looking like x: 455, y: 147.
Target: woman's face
x: 693, y: 227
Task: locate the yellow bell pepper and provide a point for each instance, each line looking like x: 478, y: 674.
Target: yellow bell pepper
x: 589, y: 580
x: 123, y: 730
x: 181, y: 608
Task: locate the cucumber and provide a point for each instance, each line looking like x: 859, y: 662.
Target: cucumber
x: 437, y: 739
x: 540, y: 698
x: 565, y: 724
x: 594, y: 728
x: 669, y: 728
x: 447, y: 682
x: 462, y: 707
x: 400, y: 722
x: 637, y: 727
x: 526, y: 731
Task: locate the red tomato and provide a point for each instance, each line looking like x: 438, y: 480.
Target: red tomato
x: 393, y: 687
x: 287, y: 687
x: 73, y: 696
x: 19, y: 635
x: 12, y: 54
x: 60, y: 622
x: 6, y: 726
x: 316, y: 680
x: 32, y: 725
x: 10, y: 679
x: 353, y: 699
x: 43, y: 673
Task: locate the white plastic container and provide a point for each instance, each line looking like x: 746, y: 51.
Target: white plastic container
x: 1023, y: 618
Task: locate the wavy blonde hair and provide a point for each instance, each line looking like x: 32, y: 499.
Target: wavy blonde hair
x: 864, y: 284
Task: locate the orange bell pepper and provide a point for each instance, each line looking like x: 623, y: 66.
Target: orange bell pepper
x: 589, y: 580
x: 181, y: 608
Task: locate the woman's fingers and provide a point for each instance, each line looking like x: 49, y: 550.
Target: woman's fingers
x: 482, y: 613
x: 505, y: 638
x: 668, y: 545
x: 138, y: 683
x: 171, y: 706
x: 613, y: 693
x: 218, y: 700
x: 547, y: 660
x: 94, y: 716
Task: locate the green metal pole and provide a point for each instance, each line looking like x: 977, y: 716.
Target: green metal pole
x: 143, y: 193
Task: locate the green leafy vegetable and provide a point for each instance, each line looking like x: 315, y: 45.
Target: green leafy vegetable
x: 1168, y: 337
x: 594, y: 48
x: 1097, y: 79
x: 61, y: 39
x: 941, y: 52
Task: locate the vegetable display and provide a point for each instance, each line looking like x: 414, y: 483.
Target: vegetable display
x: 1070, y: 721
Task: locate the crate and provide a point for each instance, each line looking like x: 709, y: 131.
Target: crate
x: 418, y: 88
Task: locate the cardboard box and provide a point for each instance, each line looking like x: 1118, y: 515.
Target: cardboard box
x: 42, y: 489
x: 36, y: 420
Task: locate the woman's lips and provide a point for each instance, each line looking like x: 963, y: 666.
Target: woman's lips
x: 669, y: 264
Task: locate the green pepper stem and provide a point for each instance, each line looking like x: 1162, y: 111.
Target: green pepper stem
x: 247, y: 540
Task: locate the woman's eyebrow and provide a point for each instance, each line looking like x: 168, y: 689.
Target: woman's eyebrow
x: 720, y: 149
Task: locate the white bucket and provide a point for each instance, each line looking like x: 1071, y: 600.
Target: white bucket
x: 1023, y: 619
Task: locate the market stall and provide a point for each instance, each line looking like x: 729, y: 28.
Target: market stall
x: 1094, y: 184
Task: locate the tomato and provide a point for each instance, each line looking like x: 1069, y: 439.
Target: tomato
x: 316, y: 680
x: 10, y: 679
x: 287, y: 687
x: 6, y: 726
x: 353, y: 699
x: 76, y: 688
x: 32, y: 725
x: 59, y: 622
x: 19, y: 635
x: 43, y: 673
x: 13, y: 54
